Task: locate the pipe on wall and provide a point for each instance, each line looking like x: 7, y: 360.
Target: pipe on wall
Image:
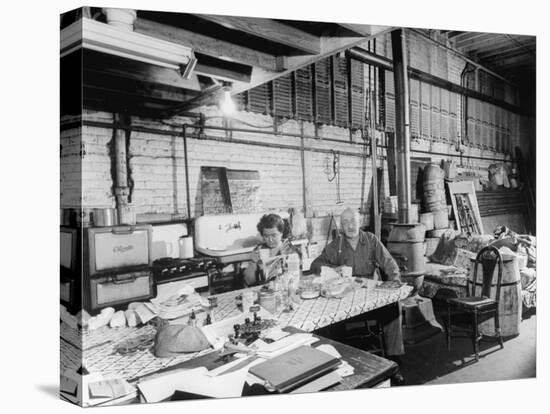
x: 402, y: 125
x: 187, y: 191
x: 121, y: 161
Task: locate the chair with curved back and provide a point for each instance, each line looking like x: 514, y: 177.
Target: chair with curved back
x: 479, y: 308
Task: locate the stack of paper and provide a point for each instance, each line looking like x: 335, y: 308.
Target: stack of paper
x: 281, y: 346
x: 193, y: 381
x: 177, y: 306
x: 344, y: 369
x: 96, y: 389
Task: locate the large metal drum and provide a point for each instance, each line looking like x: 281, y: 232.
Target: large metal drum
x: 509, y: 306
x: 406, y: 245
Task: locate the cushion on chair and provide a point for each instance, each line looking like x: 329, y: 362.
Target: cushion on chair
x: 472, y: 301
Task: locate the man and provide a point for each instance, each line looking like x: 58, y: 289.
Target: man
x: 364, y: 253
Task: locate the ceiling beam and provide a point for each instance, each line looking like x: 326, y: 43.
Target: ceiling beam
x: 503, y: 51
x: 452, y: 34
x: 206, y: 45
x: 477, y: 39
x: 486, y: 44
x: 360, y: 29
x: 207, y: 97
x: 101, y: 80
x: 492, y: 47
x: 465, y: 36
x: 511, y: 61
x: 329, y: 46
x: 271, y: 30
x: 227, y: 71
x: 131, y: 69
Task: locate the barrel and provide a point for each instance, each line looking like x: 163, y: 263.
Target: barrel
x: 434, y: 188
x: 406, y: 245
x: 427, y: 219
x: 441, y: 219
x: 509, y: 306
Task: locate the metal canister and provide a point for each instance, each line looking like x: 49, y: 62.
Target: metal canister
x: 406, y: 245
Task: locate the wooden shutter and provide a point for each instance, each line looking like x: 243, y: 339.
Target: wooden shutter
x: 258, y: 99
x: 303, y: 87
x: 414, y: 86
x: 453, y: 116
x: 444, y: 115
x: 340, y: 85
x: 356, y: 91
x: 323, y: 107
x: 282, y: 96
x: 390, y: 102
x: 425, y: 119
x: 435, y: 113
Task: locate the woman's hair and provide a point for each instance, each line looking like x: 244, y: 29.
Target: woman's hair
x: 269, y: 221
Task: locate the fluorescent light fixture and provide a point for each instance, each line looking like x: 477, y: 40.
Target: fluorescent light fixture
x: 106, y: 38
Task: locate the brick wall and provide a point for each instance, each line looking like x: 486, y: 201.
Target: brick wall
x: 157, y: 168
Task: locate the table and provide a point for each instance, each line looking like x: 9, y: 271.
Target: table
x: 95, y: 349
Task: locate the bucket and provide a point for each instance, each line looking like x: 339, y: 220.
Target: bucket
x: 509, y: 306
x: 427, y: 219
x: 441, y: 219
x: 434, y: 188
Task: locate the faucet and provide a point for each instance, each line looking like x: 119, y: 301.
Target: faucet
x: 233, y: 226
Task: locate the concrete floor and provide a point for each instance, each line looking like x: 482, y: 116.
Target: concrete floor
x: 429, y: 362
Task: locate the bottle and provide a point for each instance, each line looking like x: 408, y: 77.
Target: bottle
x: 293, y: 263
x: 192, y: 321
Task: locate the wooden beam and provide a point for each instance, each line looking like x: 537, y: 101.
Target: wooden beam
x: 229, y: 71
x: 271, y: 30
x: 454, y: 33
x: 503, y: 51
x: 137, y: 88
x: 329, y: 46
x: 465, y: 36
x: 475, y: 40
x: 487, y: 44
x: 131, y: 69
x: 513, y: 60
x: 360, y: 29
x: 207, y: 97
x: 206, y: 45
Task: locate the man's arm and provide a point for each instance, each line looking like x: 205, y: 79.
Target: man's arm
x: 327, y: 258
x: 385, y: 260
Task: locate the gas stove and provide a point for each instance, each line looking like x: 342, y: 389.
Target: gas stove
x: 168, y: 269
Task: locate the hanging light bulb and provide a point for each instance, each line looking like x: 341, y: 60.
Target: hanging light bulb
x: 227, y: 105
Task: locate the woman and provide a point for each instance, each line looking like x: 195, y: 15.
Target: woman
x: 267, y: 259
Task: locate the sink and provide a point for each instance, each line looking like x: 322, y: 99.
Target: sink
x: 230, y: 237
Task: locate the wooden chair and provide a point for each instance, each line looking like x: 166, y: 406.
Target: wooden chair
x: 477, y: 309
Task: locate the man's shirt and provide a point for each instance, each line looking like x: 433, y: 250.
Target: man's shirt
x: 368, y: 254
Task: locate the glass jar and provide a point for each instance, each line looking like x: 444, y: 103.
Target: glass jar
x: 268, y: 300
x: 308, y: 288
